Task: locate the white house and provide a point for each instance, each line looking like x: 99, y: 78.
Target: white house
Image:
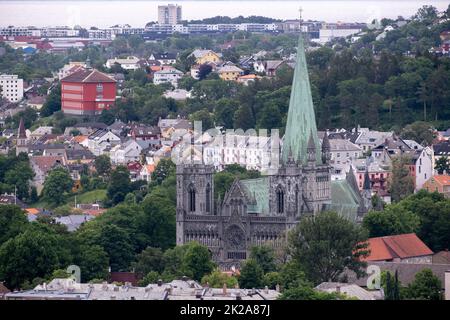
x: 101, y: 140
x: 129, y: 63
x: 11, y: 87
x: 169, y: 75
x: 423, y: 166
x: 126, y: 152
x: 146, y: 172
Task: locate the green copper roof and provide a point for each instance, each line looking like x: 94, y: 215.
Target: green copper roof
x: 301, y: 121
x: 344, y: 200
x: 257, y: 190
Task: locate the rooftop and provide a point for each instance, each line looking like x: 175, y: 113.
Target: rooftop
x: 88, y: 76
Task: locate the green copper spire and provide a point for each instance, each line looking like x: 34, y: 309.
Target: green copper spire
x: 301, y: 121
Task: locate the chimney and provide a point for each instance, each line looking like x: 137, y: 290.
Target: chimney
x: 238, y: 296
x: 447, y: 285
x: 160, y: 282
x: 266, y: 289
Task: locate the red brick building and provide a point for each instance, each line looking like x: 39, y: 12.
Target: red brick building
x: 87, y: 92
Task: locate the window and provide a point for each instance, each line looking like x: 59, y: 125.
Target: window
x: 191, y: 199
x: 280, y: 200
x: 208, y: 198
x: 99, y: 88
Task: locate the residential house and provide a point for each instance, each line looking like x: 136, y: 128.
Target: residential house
x: 39, y: 132
x: 169, y: 126
x: 167, y: 75
x: 405, y: 248
x: 246, y: 79
x: 134, y: 168
x: 438, y: 183
x: 125, y: 152
x: 118, y: 127
x: 85, y: 128
x: 82, y: 156
x: 73, y: 221
x: 343, y: 151
x: 230, y: 73
x: 41, y: 165
x: 144, y: 132
x: 128, y: 63
x: 368, y: 139
x: 36, y: 102
x: 165, y: 58
x: 204, y: 56
x: 269, y: 67
x: 440, y: 150
x: 101, y: 140
x: 146, y: 172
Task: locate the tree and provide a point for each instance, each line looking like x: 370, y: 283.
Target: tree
x: 149, y: 260
x: 151, y: 277
x: 164, y: 168
x: 426, y: 286
x: 158, y: 221
x: 197, y: 261
x: 264, y: 256
x: 217, y: 279
x: 203, y: 71
x: 418, y: 131
x: 402, y: 183
x: 394, y: 219
x: 53, y: 102
x: 327, y: 244
x: 102, y: 165
x: 93, y: 262
x: 251, y: 275
x: 119, y: 185
x: 36, y: 252
x: 391, y: 285
x: 442, y: 165
x: 12, y: 222
x: 19, y: 176
x: 57, y: 183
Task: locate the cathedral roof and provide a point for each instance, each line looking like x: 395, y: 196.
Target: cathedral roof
x: 344, y: 200
x: 301, y: 121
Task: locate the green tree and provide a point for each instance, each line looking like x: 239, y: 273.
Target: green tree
x: 102, y: 165
x: 150, y: 259
x: 19, y: 176
x: 442, y: 165
x: 394, y: 219
x: 56, y: 185
x: 53, y: 102
x: 418, y: 131
x: 251, y: 275
x: 36, y: 252
x: 402, y: 183
x: 426, y: 286
x: 217, y: 279
x: 13, y: 221
x: 119, y: 185
x: 165, y: 168
x: 151, y: 277
x: 264, y: 256
x: 197, y: 261
x: 327, y: 244
x: 93, y: 262
x: 308, y: 293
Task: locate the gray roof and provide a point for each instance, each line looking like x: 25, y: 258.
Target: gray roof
x: 350, y: 290
x: 343, y: 145
x: 74, y: 221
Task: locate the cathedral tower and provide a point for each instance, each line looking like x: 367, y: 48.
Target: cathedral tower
x: 21, y: 141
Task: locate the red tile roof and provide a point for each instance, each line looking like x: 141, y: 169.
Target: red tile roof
x: 398, y: 246
x: 88, y: 76
x: 443, y: 180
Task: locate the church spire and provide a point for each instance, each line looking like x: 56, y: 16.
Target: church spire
x: 301, y: 120
x: 21, y: 134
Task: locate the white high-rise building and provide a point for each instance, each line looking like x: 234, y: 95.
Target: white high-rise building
x: 11, y: 87
x: 170, y: 14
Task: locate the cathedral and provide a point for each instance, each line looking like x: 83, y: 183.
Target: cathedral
x: 261, y: 211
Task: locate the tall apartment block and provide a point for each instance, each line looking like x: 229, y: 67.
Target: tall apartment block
x: 170, y: 14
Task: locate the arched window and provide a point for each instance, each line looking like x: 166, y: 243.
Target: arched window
x: 191, y: 199
x: 208, y: 198
x: 280, y: 200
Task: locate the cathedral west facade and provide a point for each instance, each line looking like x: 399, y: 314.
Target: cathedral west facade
x: 261, y: 211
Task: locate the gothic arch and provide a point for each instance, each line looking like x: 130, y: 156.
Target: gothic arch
x: 191, y: 198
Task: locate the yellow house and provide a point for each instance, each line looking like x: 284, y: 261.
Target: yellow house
x: 205, y: 56
x: 230, y: 73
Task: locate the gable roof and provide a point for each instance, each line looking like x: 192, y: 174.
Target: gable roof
x: 88, y: 76
x: 46, y: 163
x: 397, y: 246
